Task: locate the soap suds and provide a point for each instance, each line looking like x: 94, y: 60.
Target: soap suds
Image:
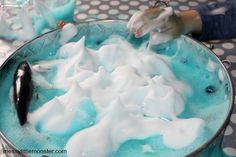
x: 29, y: 19
x: 112, y: 95
x: 68, y: 32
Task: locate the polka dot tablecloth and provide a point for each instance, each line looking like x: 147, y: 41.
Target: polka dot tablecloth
x: 90, y: 10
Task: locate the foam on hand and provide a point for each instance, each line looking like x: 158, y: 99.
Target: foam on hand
x: 112, y: 95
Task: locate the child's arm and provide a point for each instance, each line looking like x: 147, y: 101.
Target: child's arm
x: 218, y: 20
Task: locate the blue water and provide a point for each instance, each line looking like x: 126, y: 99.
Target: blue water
x: 188, y: 63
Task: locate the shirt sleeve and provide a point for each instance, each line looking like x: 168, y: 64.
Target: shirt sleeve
x: 218, y: 21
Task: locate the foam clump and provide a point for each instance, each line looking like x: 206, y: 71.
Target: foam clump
x: 63, y: 115
x: 170, y: 102
x: 112, y: 95
x: 24, y: 20
x: 67, y: 32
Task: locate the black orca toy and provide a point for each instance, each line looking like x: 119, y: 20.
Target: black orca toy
x: 22, y: 90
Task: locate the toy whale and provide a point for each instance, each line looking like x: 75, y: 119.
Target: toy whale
x: 22, y: 90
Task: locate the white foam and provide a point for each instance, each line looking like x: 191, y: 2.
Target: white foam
x: 170, y: 102
x: 211, y: 66
x: 31, y: 18
x: 157, y: 38
x: 66, y: 116
x: 67, y: 32
x: 221, y: 74
x: 4, y: 29
x: 134, y: 92
x: 182, y: 132
x: 28, y: 31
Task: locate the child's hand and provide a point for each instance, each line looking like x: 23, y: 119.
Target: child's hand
x: 163, y: 24
x: 161, y: 20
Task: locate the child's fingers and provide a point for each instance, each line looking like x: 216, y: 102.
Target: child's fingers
x: 133, y: 21
x: 140, y: 17
x: 144, y: 29
x: 142, y: 22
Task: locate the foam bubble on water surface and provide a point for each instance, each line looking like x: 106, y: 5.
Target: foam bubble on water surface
x: 221, y: 74
x: 182, y: 132
x: 124, y: 92
x: 211, y: 66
